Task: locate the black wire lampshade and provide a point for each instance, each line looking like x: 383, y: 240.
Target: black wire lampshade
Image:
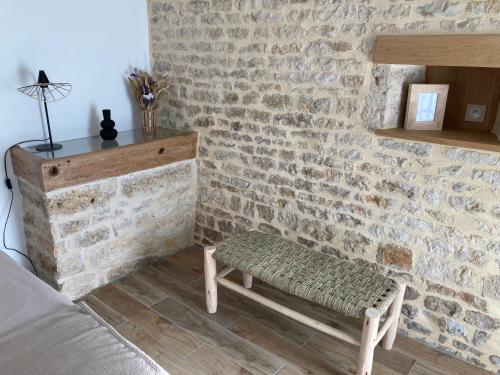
x: 45, y: 91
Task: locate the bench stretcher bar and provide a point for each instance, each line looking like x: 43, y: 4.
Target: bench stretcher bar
x: 286, y: 311
x: 383, y: 330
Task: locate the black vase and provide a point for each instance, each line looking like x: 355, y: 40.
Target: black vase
x: 108, y: 132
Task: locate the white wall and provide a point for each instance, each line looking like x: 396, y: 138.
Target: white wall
x: 89, y: 43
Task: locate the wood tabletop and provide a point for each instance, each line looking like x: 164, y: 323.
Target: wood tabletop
x: 96, y: 163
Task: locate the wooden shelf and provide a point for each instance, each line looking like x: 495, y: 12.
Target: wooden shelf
x: 459, y: 138
x: 477, y: 50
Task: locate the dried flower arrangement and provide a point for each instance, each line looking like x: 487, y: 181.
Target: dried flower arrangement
x: 147, y: 90
x: 147, y: 93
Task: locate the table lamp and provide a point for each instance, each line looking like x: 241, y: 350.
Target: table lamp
x: 45, y: 91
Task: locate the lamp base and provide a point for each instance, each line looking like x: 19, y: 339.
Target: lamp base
x: 46, y: 147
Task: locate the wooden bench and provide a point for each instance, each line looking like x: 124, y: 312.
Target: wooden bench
x: 335, y: 283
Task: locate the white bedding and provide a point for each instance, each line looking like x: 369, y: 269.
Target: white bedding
x: 24, y: 297
x: 44, y: 333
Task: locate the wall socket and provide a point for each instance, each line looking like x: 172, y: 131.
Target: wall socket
x: 475, y: 113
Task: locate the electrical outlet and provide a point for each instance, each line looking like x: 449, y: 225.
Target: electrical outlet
x: 475, y: 113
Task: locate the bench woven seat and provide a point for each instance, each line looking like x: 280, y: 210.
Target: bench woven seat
x: 336, y: 283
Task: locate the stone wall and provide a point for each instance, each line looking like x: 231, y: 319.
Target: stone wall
x: 87, y: 235
x: 284, y: 96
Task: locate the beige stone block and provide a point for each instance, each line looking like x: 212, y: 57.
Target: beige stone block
x: 79, y: 285
x: 491, y: 287
x: 111, y: 253
x: 72, y: 227
x: 32, y: 196
x: 151, y: 181
x: 77, y: 199
x: 69, y: 264
x: 91, y: 237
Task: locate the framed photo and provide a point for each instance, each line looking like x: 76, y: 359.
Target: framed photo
x: 425, y: 107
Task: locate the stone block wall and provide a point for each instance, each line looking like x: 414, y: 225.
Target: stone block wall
x: 285, y: 98
x: 85, y: 236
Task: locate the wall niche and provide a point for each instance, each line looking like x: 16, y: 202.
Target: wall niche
x: 470, y: 64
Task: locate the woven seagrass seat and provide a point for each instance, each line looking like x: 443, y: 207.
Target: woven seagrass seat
x: 329, y: 281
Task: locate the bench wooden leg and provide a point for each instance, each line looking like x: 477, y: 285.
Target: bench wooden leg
x: 395, y: 310
x: 210, y: 283
x: 368, y: 341
x: 247, y: 280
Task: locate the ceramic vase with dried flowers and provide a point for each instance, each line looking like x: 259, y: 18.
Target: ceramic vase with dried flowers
x: 147, y: 93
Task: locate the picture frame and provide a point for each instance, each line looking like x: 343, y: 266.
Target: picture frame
x: 426, y: 106
x: 496, y: 126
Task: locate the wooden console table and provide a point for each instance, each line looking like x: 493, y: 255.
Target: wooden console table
x: 95, y: 210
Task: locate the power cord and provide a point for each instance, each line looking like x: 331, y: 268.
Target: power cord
x: 8, y: 183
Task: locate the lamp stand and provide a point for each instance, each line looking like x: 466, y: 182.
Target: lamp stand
x: 48, y: 146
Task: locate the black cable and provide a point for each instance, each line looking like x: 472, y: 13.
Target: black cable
x: 8, y: 183
x: 5, y: 230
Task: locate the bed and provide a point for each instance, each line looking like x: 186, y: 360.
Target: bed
x: 43, y: 332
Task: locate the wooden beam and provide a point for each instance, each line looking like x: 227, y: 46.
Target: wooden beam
x: 27, y: 165
x: 474, y: 50
x: 394, y: 313
x: 60, y: 172
x: 385, y: 327
x: 368, y: 342
x: 247, y: 280
x: 210, y: 279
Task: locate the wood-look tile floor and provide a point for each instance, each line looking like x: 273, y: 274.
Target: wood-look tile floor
x: 161, y: 309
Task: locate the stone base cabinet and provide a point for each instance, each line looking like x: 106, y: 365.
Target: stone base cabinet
x: 85, y: 236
